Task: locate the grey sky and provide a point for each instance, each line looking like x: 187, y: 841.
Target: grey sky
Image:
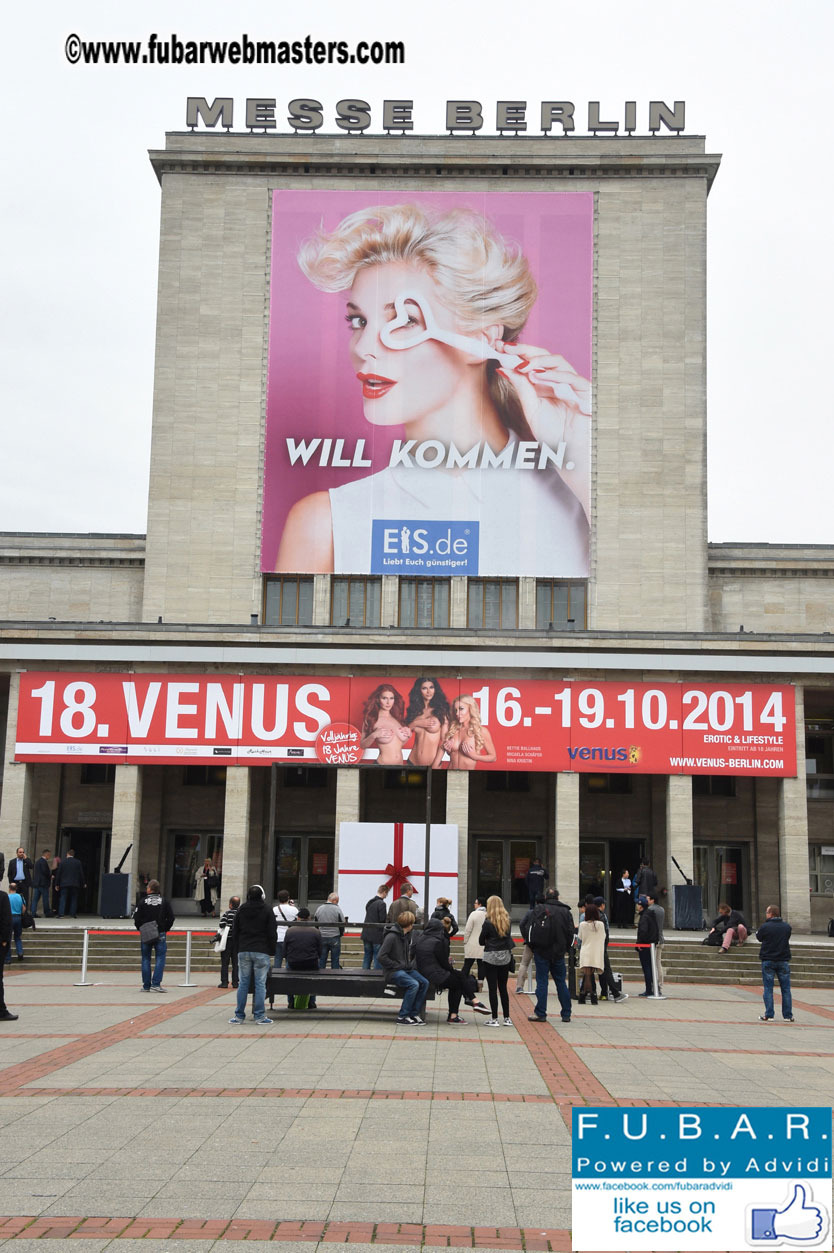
x: 80, y: 215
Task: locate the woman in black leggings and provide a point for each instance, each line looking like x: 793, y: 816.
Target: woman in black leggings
x: 498, y: 952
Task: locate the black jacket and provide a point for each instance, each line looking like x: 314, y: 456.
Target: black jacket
x: 443, y: 911
x: 645, y: 881
x: 43, y: 873
x: 5, y: 921
x: 430, y: 950
x: 647, y: 931
x: 302, y: 943
x: 492, y: 941
x: 27, y: 871
x: 70, y: 874
x: 394, y: 953
x: 565, y: 930
x: 375, y: 911
x: 153, y: 909
x: 734, y: 918
x: 254, y: 929
x: 773, y: 936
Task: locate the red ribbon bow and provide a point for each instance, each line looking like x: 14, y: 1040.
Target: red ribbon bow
x: 398, y: 874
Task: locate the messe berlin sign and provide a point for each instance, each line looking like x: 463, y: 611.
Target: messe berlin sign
x: 419, y: 720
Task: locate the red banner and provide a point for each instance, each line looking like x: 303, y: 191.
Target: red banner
x: 635, y: 728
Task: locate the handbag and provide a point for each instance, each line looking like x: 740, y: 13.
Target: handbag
x: 149, y: 932
x: 28, y: 920
x: 501, y: 957
x: 220, y: 946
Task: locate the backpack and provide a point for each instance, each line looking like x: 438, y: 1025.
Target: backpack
x: 544, y: 930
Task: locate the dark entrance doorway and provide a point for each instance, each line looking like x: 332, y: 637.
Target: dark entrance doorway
x: 92, y: 848
x: 601, y: 863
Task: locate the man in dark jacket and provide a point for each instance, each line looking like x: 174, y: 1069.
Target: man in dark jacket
x: 228, y: 955
x: 372, y: 930
x: 647, y: 933
x: 303, y: 947
x: 775, y: 955
x: 406, y: 902
x: 154, y: 908
x: 645, y: 881
x: 42, y: 883
x: 396, y: 960
x: 69, y: 878
x: 536, y: 881
x: 20, y: 872
x: 550, y: 933
x: 6, y: 1014
x: 255, y: 935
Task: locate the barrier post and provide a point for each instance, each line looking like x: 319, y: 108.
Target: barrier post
x: 84, y: 982
x: 188, y: 983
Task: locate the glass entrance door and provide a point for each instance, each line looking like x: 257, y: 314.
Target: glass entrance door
x: 593, y: 869
x: 304, y: 867
x: 723, y: 871
x: 190, y: 849
x: 501, y: 867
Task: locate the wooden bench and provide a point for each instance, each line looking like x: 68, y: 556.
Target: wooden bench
x: 328, y: 982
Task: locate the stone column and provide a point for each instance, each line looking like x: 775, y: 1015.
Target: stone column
x: 793, y: 835
x: 526, y: 603
x: 457, y: 811
x: 236, y: 831
x: 127, y: 821
x: 565, y: 874
x: 16, y: 806
x: 347, y: 808
x: 678, y: 842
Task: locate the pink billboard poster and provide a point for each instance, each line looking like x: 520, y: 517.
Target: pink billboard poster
x: 428, y: 407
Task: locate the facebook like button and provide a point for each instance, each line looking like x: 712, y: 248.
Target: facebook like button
x: 408, y: 546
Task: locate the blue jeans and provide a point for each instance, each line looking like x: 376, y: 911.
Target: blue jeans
x: 279, y: 955
x: 333, y: 945
x: 371, y: 955
x: 416, y: 986
x: 37, y: 893
x: 161, y: 946
x: 782, y: 972
x: 71, y: 895
x: 545, y: 967
x: 251, y: 965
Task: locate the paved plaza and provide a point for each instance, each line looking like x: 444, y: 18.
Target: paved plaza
x: 129, y: 1117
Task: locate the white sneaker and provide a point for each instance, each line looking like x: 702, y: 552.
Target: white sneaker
x: 508, y: 1022
x: 493, y: 1022
x: 622, y: 997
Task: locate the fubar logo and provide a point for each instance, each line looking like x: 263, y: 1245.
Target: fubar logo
x: 409, y: 546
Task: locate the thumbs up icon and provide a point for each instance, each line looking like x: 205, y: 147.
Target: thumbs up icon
x: 798, y: 1222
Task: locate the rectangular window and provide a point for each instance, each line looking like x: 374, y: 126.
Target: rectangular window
x: 713, y: 785
x: 355, y: 602
x: 95, y: 772
x: 492, y: 604
x: 204, y: 776
x: 398, y: 779
x: 305, y: 776
x: 611, y: 784
x: 424, y: 602
x: 507, y: 781
x: 560, y: 606
x: 821, y: 868
x: 288, y: 602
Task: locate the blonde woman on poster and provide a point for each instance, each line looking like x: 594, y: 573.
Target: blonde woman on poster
x: 468, y: 742
x: 436, y: 303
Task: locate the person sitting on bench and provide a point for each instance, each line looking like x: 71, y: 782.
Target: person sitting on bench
x: 302, y: 949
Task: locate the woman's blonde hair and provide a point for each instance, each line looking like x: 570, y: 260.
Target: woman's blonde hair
x: 483, y: 278
x: 497, y: 915
x: 475, y: 724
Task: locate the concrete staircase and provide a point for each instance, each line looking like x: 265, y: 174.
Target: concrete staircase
x: 685, y: 961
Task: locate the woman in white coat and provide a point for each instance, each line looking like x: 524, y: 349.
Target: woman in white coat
x: 206, y: 889
x: 473, y: 949
x: 591, y: 952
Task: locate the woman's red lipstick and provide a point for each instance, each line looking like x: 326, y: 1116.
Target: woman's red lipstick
x: 374, y: 385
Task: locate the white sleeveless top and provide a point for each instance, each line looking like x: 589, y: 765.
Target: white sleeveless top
x: 530, y: 522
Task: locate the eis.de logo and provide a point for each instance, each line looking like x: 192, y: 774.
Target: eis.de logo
x: 339, y: 745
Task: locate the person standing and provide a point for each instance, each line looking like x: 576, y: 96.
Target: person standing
x: 397, y: 962
x: 775, y: 956
x: 473, y: 949
x: 70, y: 878
x: 550, y: 935
x: 623, y: 910
x: 206, y: 888
x: 228, y: 953
x: 285, y: 912
x: 645, y: 881
x: 536, y: 881
x: 20, y: 872
x: 42, y: 884
x: 6, y: 1014
x: 498, y: 955
x: 655, y: 907
x: 18, y: 908
x: 646, y: 935
x: 332, y: 928
x: 372, y: 928
x: 254, y: 933
x: 154, y: 910
x: 442, y: 911
x: 608, y: 988
x: 405, y: 903
x: 591, y: 952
